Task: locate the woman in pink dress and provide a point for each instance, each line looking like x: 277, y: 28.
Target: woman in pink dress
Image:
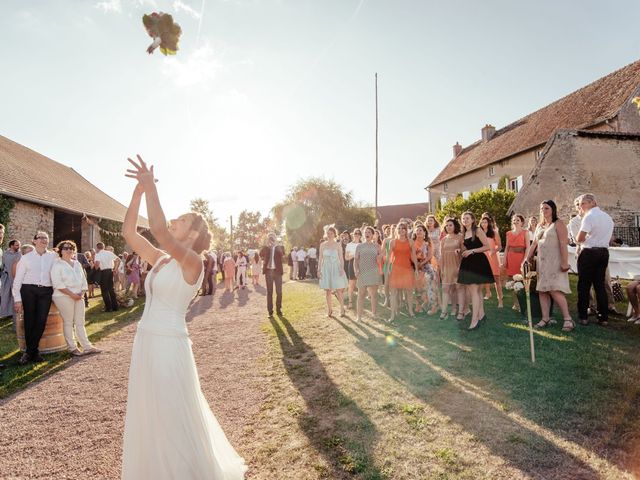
x: 516, y: 249
x: 488, y: 227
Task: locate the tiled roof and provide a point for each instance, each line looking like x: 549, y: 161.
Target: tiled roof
x: 591, y: 105
x: 392, y: 213
x: 30, y: 176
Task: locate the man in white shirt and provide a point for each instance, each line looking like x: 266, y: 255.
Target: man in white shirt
x: 32, y: 291
x: 104, y: 261
x: 595, y: 234
x: 301, y: 255
x: 312, y: 253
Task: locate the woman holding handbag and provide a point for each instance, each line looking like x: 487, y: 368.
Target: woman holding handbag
x: 552, y: 264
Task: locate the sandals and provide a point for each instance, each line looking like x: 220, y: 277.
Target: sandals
x: 568, y: 325
x: 443, y: 315
x: 543, y: 323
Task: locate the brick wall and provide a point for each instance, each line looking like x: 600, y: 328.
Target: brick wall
x: 26, y: 219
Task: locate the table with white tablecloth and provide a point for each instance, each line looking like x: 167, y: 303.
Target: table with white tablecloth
x: 624, y: 262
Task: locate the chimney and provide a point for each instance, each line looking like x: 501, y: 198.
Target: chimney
x: 488, y: 131
x: 457, y: 148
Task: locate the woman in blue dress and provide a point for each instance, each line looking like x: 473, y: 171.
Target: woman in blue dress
x: 331, y: 270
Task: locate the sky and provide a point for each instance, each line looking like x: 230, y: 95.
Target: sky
x: 263, y: 93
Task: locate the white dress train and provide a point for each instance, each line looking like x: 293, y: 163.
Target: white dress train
x: 170, y: 431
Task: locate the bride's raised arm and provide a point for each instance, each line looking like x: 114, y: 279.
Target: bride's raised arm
x: 189, y: 260
x: 141, y: 245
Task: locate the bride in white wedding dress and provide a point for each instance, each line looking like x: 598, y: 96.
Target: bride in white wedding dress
x: 170, y: 431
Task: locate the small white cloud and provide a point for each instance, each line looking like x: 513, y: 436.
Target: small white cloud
x: 178, y: 6
x: 200, y: 66
x: 110, y: 6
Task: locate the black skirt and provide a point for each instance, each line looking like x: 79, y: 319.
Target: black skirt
x: 351, y: 273
x: 475, y: 268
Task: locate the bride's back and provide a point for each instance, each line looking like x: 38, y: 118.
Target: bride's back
x: 168, y: 298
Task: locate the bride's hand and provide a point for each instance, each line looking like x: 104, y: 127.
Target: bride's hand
x: 142, y: 173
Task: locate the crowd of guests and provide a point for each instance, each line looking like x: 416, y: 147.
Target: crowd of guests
x: 235, y: 268
x: 33, y: 277
x: 419, y: 266
x: 451, y: 268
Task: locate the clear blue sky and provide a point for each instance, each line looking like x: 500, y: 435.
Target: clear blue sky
x: 265, y: 92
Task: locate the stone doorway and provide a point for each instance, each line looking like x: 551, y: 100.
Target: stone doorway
x: 67, y: 226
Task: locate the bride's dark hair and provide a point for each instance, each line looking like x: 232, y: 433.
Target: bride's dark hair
x: 199, y: 224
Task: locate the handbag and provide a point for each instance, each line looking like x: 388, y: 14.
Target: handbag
x: 616, y: 289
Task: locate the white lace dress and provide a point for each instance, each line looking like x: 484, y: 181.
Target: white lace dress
x: 170, y: 431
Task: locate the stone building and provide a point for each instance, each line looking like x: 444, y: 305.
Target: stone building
x: 580, y: 161
x: 53, y: 198
x: 513, y: 151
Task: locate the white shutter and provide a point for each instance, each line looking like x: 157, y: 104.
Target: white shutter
x: 465, y: 195
x: 519, y: 183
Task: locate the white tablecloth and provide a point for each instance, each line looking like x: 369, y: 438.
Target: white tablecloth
x: 624, y: 262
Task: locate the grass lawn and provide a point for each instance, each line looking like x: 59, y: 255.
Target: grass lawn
x: 98, y: 323
x: 426, y: 399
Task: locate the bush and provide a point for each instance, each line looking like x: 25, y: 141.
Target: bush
x: 496, y: 202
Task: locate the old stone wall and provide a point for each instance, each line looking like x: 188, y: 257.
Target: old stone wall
x: 26, y: 219
x: 573, y: 165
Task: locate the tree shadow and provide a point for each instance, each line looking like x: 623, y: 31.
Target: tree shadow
x: 469, y: 406
x: 336, y: 427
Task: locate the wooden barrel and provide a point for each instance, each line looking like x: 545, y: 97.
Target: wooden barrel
x: 52, y: 339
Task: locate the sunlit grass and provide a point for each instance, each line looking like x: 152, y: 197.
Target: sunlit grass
x: 98, y: 324
x: 433, y: 400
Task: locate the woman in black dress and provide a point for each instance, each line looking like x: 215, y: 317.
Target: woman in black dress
x: 475, y: 269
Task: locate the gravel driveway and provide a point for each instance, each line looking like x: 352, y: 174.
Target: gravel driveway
x: 70, y: 425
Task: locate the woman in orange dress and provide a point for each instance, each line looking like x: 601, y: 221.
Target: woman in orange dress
x: 488, y: 227
x: 402, y: 277
x: 516, y: 249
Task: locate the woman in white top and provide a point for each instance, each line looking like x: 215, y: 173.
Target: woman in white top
x: 241, y: 272
x: 349, y: 257
x: 69, y: 282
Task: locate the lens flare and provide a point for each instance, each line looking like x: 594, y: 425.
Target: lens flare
x: 390, y: 340
x: 295, y: 217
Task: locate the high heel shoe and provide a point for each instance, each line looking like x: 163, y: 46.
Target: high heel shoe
x: 474, y: 327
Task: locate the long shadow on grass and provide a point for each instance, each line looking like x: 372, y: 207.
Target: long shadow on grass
x: 584, y: 386
x: 524, y: 449
x: 336, y: 427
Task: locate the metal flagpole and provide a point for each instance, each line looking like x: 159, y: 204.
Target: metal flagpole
x: 377, y: 217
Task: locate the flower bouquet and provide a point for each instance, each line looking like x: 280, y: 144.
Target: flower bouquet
x: 164, y: 31
x: 124, y: 299
x: 518, y: 286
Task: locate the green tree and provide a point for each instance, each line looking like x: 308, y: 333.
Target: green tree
x: 251, y: 230
x: 219, y: 234
x: 313, y: 203
x: 496, y: 202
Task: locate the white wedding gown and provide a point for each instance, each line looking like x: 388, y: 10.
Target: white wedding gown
x: 170, y: 431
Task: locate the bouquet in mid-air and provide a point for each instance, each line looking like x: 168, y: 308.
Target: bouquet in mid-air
x: 164, y: 31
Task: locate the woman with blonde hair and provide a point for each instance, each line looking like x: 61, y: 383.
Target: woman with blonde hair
x: 170, y: 430
x: 331, y: 272
x: 367, y: 256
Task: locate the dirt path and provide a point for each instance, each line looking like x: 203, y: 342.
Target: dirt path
x: 70, y: 425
